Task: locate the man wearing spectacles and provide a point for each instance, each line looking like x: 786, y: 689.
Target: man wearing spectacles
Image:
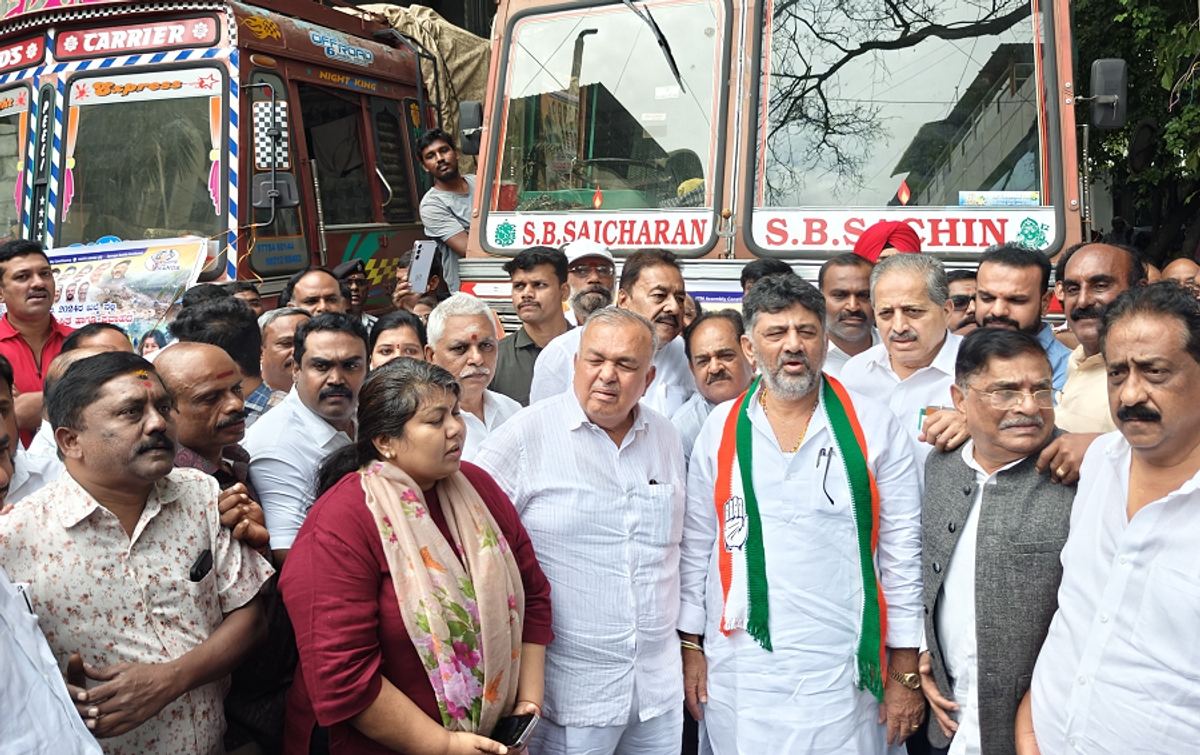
x: 353, y: 277
x: 992, y: 530
x: 592, y: 276
x: 962, y: 294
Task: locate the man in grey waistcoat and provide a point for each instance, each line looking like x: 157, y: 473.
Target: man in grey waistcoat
x: 993, y: 528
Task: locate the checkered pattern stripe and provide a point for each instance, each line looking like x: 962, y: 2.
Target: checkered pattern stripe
x: 101, y: 11
x: 265, y: 152
x: 381, y: 270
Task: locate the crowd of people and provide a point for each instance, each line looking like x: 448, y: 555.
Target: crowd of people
x: 896, y: 508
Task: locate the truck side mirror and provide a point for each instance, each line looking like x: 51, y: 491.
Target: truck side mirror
x: 283, y: 194
x: 1110, y: 93
x: 470, y: 126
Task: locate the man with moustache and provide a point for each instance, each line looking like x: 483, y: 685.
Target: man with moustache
x: 353, y: 275
x: 30, y: 336
x: 652, y: 286
x: 1089, y: 278
x: 143, y: 595
x: 1119, y: 668
x: 1012, y: 290
x: 993, y: 526
x: 913, y: 369
x: 446, y: 208
x: 592, y: 275
x: 315, y: 290
x: 462, y: 339
x: 713, y: 344
x: 539, y: 288
x: 962, y: 293
x: 278, y: 329
x: 845, y: 282
x: 289, y: 443
x: 1182, y: 271
x: 599, y: 483
x: 800, y: 561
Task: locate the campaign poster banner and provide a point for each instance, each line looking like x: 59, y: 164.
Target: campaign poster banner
x: 130, y: 284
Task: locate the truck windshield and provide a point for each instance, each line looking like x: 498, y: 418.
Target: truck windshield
x: 930, y: 102
x: 594, y: 117
x: 143, y: 157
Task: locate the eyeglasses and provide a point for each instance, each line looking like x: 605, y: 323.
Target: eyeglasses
x: 961, y: 302
x: 1006, y: 399
x: 356, y: 282
x: 582, y: 270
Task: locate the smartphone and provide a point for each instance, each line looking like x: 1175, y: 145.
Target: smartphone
x: 421, y: 265
x: 514, y: 731
x: 201, y: 566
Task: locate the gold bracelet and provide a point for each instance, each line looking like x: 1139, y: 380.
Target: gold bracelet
x: 691, y: 645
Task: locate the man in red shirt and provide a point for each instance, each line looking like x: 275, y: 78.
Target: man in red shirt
x: 30, y: 337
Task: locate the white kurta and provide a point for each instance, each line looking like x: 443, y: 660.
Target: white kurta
x: 802, y: 697
x: 497, y: 408
x: 672, y: 386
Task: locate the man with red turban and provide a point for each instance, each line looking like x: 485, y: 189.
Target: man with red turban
x: 886, y: 238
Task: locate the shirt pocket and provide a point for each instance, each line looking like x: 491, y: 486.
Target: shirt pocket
x: 673, y: 397
x: 1166, y: 626
x: 656, y: 509
x: 202, y: 613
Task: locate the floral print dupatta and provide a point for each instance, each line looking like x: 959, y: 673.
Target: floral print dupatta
x: 462, y: 601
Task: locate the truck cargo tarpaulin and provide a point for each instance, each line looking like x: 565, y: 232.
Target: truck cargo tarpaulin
x: 129, y: 284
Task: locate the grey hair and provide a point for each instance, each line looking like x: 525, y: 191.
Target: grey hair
x: 619, y: 317
x: 272, y: 315
x: 928, y: 267
x: 458, y: 304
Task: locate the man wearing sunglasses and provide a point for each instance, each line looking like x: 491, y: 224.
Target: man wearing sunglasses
x: 592, y: 275
x: 992, y: 530
x: 962, y: 294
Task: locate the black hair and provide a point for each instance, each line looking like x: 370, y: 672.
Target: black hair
x: 237, y: 287
x: 528, y: 259
x: 204, y: 292
x: 775, y: 293
x: 759, y: 269
x: 731, y: 316
x: 6, y: 373
x: 228, y: 323
x: 982, y: 345
x: 642, y: 259
x: 390, y: 397
x: 401, y: 318
x: 846, y: 259
x: 1012, y: 254
x: 327, y: 322
x: 92, y: 329
x: 10, y: 250
x: 953, y: 276
x: 152, y: 335
x: 1160, y: 300
x: 1135, y: 274
x: 431, y: 136
x: 80, y: 385
x: 285, y: 296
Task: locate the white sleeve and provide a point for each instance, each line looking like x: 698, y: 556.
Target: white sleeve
x: 700, y: 530
x: 899, y: 479
x: 552, y: 372
x: 285, y: 494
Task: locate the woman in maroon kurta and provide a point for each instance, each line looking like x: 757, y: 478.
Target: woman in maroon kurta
x: 360, y: 674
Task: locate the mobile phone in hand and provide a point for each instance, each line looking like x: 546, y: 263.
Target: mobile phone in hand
x: 514, y: 731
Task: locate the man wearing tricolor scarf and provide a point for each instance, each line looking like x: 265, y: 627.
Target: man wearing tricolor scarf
x: 800, y: 561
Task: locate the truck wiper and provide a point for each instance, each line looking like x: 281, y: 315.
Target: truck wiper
x: 644, y: 14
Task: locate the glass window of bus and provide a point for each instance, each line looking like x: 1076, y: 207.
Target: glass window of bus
x: 873, y: 108
x: 333, y: 129
x: 393, y: 161
x: 14, y: 136
x: 591, y: 104
x: 143, y: 156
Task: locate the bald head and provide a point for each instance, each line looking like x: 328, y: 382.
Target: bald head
x: 59, y: 366
x: 1183, y: 271
x: 207, y: 387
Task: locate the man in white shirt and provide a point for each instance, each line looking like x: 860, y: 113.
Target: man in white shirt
x: 713, y: 344
x: 790, y: 571
x: 652, y: 286
x: 1120, y: 669
x: 1090, y: 277
x: 599, y: 483
x: 913, y: 369
x: 289, y: 443
x: 993, y: 528
x: 845, y: 282
x: 462, y: 340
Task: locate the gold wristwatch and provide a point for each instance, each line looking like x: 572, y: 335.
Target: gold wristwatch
x: 912, y: 681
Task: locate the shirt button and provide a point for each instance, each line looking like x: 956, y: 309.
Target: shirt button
x: 1103, y: 618
x: 1083, y: 680
x: 966, y: 490
x: 953, y: 526
x: 1071, y: 741
x: 937, y: 568
x: 1124, y: 560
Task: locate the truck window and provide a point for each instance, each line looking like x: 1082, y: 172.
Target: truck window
x: 594, y: 118
x: 393, y: 161
x: 333, y: 129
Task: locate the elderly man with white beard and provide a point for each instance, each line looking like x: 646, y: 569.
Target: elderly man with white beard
x: 800, y: 563
x: 462, y: 340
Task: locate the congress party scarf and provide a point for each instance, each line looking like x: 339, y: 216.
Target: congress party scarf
x: 742, y: 557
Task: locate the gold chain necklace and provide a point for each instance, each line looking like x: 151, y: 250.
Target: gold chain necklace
x: 762, y: 401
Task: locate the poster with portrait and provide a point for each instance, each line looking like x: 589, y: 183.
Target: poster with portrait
x: 130, y: 284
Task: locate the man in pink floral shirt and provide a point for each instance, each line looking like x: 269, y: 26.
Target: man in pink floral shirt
x: 130, y: 568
